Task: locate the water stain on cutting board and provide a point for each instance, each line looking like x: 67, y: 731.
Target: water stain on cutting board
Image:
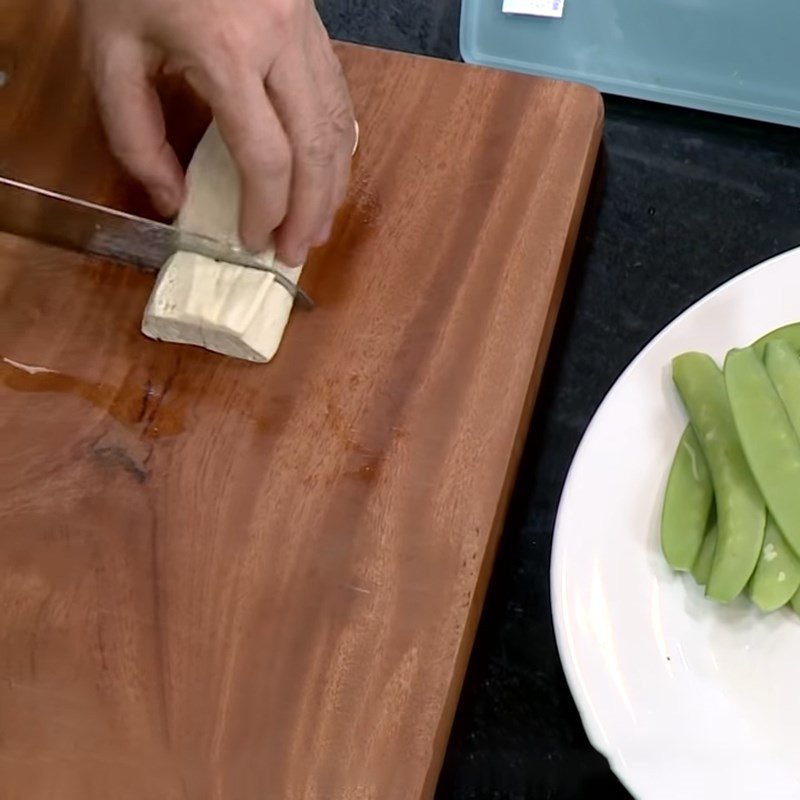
x: 131, y: 405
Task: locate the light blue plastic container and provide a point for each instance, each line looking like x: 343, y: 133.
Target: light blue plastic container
x: 738, y: 57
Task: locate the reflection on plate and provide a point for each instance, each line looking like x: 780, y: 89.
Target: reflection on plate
x: 686, y: 698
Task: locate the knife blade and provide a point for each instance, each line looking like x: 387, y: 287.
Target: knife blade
x: 79, y: 225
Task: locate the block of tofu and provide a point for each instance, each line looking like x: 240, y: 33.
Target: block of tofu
x: 236, y: 311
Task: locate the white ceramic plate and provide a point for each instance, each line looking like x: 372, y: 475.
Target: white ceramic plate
x: 686, y: 698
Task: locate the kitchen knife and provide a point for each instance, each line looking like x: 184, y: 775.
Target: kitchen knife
x: 87, y: 227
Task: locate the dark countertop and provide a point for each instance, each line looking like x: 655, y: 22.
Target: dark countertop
x: 681, y: 202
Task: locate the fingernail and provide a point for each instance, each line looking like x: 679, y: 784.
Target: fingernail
x: 301, y: 256
x: 253, y: 243
x: 294, y: 258
x: 292, y: 254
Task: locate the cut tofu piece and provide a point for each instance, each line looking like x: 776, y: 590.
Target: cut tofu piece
x: 232, y: 310
x: 236, y: 311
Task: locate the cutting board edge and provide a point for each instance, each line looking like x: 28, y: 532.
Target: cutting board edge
x: 461, y: 665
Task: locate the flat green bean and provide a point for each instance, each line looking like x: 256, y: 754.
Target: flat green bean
x: 769, y: 441
x: 777, y: 575
x: 741, y: 513
x: 687, y: 503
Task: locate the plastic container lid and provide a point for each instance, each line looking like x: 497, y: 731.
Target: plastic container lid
x: 731, y: 56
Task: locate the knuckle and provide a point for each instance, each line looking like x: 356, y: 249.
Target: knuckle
x: 143, y: 158
x: 97, y: 43
x: 273, y: 164
x: 342, y: 119
x: 102, y: 61
x: 284, y: 14
x: 224, y: 56
x: 318, y: 146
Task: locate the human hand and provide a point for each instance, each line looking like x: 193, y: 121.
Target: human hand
x: 267, y: 70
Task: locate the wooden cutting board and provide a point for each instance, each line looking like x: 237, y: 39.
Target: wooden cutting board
x: 233, y: 581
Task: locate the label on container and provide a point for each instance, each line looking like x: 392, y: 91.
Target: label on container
x: 536, y: 8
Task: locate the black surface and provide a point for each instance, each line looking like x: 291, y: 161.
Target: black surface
x: 682, y: 201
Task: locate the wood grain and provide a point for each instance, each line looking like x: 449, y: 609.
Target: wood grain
x: 224, y: 580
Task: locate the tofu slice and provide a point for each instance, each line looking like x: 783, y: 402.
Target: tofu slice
x: 236, y: 311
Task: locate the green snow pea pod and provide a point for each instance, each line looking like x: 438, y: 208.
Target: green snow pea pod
x: 687, y: 503
x: 777, y: 575
x: 769, y: 441
x: 789, y: 336
x: 741, y: 513
x: 783, y: 368
x: 788, y: 333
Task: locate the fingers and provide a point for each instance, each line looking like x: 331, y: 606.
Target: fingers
x: 291, y: 140
x: 313, y: 102
x: 134, y: 123
x: 341, y: 180
x: 344, y: 160
x: 259, y: 146
x: 339, y: 108
x: 292, y: 89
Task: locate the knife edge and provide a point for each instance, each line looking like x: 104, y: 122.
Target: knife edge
x: 84, y: 226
